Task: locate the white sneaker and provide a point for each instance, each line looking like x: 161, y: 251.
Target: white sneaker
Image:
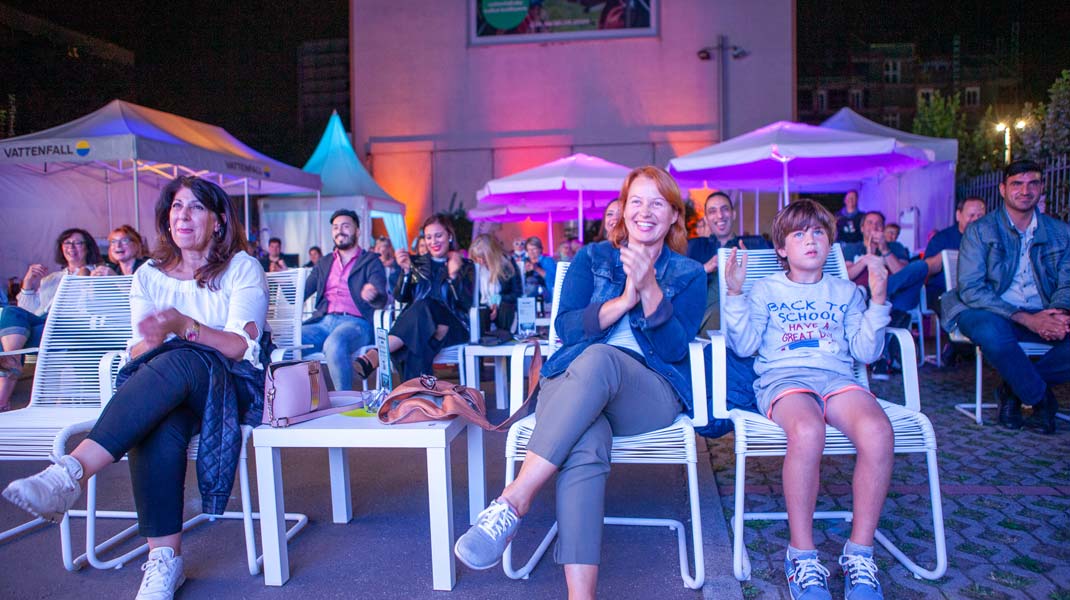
x: 50, y: 493
x: 163, y: 575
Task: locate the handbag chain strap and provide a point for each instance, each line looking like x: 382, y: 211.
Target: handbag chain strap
x: 313, y: 383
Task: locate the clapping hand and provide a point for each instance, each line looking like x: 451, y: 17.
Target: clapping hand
x: 404, y: 260
x: 453, y: 263
x: 878, y: 278
x: 155, y: 328
x: 368, y: 292
x: 33, y: 277
x: 735, y: 273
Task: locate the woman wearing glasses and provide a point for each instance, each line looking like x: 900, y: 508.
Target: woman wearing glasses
x: 22, y: 325
x: 126, y: 252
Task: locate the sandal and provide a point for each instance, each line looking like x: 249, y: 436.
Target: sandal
x: 364, y: 367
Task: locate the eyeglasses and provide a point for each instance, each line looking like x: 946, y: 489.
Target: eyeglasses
x: 120, y: 242
x: 73, y: 244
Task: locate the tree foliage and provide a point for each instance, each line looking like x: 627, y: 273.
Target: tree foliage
x: 1056, y: 135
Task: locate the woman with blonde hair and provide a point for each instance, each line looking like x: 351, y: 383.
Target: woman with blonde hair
x: 499, y: 282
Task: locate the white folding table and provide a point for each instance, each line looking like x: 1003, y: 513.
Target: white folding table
x: 339, y: 432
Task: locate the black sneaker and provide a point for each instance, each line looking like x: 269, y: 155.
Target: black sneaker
x: 881, y: 370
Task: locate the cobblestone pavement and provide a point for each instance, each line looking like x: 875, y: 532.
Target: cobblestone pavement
x: 1006, y: 499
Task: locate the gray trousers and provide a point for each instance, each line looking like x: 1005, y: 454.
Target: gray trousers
x: 604, y: 392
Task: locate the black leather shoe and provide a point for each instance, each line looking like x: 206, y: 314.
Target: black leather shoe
x: 1010, y: 407
x: 1048, y: 408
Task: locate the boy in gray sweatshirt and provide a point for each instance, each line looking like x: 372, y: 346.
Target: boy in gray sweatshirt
x: 808, y: 329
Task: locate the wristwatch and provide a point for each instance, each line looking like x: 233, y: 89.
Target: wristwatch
x: 193, y: 332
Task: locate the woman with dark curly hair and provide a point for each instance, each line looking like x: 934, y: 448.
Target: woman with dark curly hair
x: 22, y: 325
x: 199, y: 309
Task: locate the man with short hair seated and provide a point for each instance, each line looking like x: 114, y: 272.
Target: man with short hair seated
x: 1014, y: 286
x: 905, y: 278
x: 351, y: 284
x: 719, y: 216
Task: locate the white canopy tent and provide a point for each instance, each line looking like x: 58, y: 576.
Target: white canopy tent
x: 562, y: 189
x: 300, y: 221
x: 927, y: 193
x: 795, y: 157
x: 106, y: 168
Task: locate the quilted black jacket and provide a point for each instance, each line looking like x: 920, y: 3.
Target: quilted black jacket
x: 236, y: 398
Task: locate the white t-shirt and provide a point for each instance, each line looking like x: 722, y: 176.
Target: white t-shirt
x: 241, y: 298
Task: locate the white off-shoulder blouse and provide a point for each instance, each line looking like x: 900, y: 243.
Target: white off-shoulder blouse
x: 242, y: 298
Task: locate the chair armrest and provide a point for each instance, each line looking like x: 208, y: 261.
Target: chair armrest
x: 279, y: 353
x: 473, y: 325
x: 700, y: 411
x: 109, y: 361
x: 517, y: 373
x: 909, y: 359
x: 59, y: 444
x: 20, y: 352
x: 719, y: 374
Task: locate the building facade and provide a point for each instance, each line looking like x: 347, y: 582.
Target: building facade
x: 888, y: 82
x: 437, y: 114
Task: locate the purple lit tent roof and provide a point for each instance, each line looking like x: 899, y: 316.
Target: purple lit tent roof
x: 795, y: 155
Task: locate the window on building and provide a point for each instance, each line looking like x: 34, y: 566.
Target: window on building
x: 972, y: 96
x: 822, y: 101
x: 925, y: 96
x: 891, y: 119
x: 837, y: 99
x: 891, y: 71
x: 857, y: 99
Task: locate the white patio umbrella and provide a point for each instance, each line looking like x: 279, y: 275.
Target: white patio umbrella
x: 785, y: 155
x: 580, y: 182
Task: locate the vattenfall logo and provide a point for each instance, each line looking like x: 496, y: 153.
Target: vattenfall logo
x: 80, y: 148
x: 241, y: 167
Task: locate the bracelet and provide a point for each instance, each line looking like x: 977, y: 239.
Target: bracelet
x: 193, y: 332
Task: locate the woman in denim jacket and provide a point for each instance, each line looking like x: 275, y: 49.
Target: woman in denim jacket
x: 629, y: 307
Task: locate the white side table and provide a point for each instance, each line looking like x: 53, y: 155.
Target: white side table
x: 470, y: 361
x: 338, y: 432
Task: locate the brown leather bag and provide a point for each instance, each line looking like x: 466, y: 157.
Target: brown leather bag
x: 426, y: 398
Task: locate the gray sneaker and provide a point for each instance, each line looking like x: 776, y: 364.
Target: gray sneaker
x: 482, y: 546
x: 163, y: 575
x: 50, y: 493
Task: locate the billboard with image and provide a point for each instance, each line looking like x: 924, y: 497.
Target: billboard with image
x: 511, y: 21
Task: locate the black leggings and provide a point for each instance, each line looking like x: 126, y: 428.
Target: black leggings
x: 151, y: 420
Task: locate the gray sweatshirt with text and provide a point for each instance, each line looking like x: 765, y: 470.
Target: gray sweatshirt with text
x: 823, y: 325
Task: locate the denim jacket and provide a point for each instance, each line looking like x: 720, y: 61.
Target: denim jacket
x: 596, y: 276
x: 988, y: 259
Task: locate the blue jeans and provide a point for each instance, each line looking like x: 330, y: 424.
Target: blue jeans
x: 904, y: 287
x: 998, y: 338
x: 14, y: 320
x: 339, y: 337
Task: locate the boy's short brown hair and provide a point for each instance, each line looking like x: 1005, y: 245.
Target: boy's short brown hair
x: 799, y: 215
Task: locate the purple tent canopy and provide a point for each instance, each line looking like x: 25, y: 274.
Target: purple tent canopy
x: 560, y: 190
x: 786, y: 154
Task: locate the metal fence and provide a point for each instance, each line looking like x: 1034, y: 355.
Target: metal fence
x: 1056, y: 200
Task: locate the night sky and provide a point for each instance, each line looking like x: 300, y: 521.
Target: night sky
x: 233, y: 63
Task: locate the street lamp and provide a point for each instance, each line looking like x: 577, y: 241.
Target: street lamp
x: 1006, y: 129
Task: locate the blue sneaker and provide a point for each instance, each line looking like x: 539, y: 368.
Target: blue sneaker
x: 482, y: 546
x: 807, y: 577
x: 860, y: 575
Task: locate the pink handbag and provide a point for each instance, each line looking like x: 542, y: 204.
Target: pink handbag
x: 296, y: 391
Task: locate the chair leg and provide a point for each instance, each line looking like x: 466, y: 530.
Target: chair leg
x: 938, y: 529
x: 973, y: 409
x: 740, y: 560
x: 939, y: 347
x: 507, y: 557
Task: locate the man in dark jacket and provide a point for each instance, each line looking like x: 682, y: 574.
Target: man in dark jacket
x: 720, y: 216
x: 351, y: 284
x: 1014, y: 286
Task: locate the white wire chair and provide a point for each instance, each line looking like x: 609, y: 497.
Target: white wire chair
x: 284, y: 317
x: 756, y: 436
x: 89, y: 317
x: 674, y: 444
x: 950, y: 259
